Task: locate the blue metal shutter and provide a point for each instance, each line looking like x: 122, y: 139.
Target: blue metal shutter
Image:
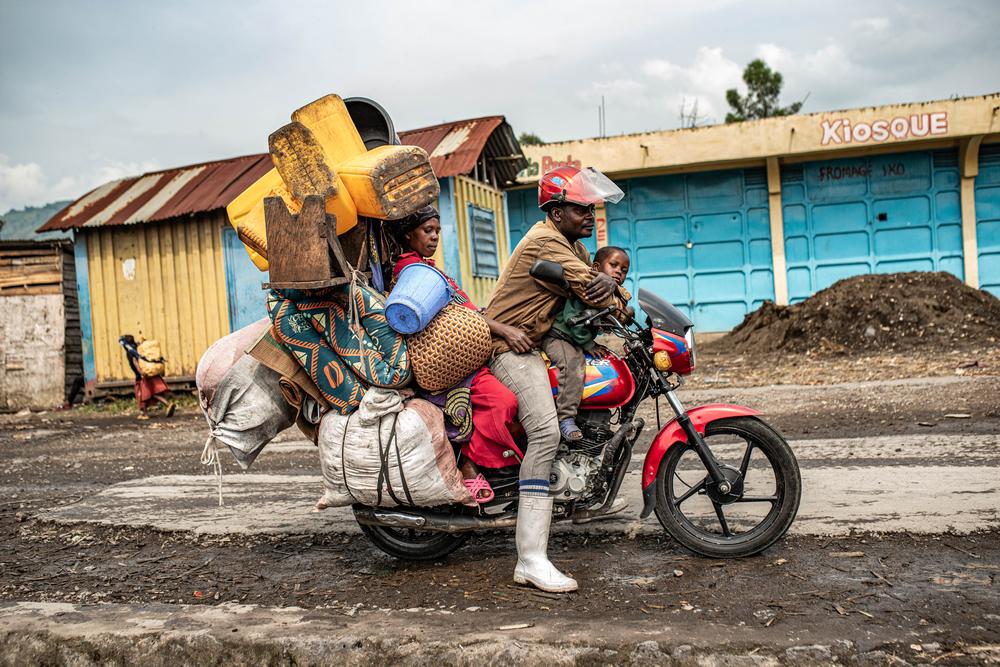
x: 483, y: 242
x: 700, y: 240
x: 879, y: 214
x: 988, y: 218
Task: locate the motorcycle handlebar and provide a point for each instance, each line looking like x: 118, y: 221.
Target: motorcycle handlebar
x: 588, y: 316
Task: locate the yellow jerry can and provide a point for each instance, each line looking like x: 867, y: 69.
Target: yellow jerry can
x: 329, y: 121
x: 246, y: 213
x: 390, y: 182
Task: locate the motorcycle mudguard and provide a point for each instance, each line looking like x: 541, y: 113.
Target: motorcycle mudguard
x: 672, y: 434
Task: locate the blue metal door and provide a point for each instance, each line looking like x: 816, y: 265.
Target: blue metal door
x: 522, y: 213
x: 245, y: 297
x: 988, y: 218
x: 701, y: 241
x: 879, y: 214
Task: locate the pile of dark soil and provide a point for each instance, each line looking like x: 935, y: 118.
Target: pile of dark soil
x: 874, y: 313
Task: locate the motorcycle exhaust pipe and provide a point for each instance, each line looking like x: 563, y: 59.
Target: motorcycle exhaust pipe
x: 414, y: 517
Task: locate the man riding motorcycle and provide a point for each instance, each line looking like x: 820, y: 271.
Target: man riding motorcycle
x: 568, y: 197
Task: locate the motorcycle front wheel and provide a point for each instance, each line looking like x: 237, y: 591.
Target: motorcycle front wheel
x: 411, y: 544
x: 766, y: 490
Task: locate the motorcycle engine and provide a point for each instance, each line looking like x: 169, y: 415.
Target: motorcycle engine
x: 576, y: 462
x: 570, y: 473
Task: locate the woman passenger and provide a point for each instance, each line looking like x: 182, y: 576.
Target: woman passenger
x: 494, y: 406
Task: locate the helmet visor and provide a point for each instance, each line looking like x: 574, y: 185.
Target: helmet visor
x: 592, y: 187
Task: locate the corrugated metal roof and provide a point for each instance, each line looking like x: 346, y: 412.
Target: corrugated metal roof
x: 163, y: 194
x: 455, y: 147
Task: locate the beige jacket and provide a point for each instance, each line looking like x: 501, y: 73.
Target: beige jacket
x: 532, y: 305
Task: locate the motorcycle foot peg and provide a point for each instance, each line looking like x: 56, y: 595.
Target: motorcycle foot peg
x: 611, y: 513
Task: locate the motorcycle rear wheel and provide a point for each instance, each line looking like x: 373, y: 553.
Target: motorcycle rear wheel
x: 712, y: 533
x: 411, y: 544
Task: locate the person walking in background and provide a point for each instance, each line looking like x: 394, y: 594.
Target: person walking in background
x: 149, y: 386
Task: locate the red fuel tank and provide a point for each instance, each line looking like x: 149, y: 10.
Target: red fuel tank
x: 607, y: 383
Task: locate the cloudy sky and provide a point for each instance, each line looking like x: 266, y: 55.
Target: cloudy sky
x: 96, y: 90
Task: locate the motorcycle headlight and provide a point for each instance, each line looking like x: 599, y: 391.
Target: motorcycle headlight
x: 661, y: 360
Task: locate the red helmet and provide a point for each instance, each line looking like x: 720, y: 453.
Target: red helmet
x: 569, y: 185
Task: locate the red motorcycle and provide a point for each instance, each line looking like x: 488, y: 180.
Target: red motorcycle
x: 722, y: 482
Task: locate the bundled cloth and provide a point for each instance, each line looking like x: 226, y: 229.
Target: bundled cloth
x: 389, y: 453
x: 242, y: 399
x: 341, y: 339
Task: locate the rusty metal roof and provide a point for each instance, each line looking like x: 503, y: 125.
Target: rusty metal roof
x: 163, y: 194
x: 455, y: 148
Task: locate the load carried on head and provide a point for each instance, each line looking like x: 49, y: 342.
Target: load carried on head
x: 334, y: 354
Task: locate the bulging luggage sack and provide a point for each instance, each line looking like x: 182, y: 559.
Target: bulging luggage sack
x: 150, y: 349
x: 240, y: 397
x: 389, y: 453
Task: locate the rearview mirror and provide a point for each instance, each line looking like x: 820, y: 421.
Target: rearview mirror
x: 548, y: 272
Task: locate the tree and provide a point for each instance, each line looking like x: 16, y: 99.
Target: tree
x: 529, y: 139
x: 761, y: 100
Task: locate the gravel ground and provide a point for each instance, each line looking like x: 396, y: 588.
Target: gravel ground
x: 900, y: 596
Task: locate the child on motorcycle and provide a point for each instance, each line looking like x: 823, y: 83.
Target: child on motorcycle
x: 566, y: 343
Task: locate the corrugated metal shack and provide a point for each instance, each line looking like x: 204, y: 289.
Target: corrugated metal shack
x: 472, y: 159
x: 40, y: 343
x: 149, y: 261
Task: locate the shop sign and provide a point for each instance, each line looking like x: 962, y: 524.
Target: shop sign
x: 601, y: 225
x: 841, y: 131
x: 547, y: 163
x: 840, y: 172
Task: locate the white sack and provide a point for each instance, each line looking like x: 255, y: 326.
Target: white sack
x: 351, y: 455
x: 241, y: 398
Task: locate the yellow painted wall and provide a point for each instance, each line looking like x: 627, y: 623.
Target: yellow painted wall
x: 177, y: 293
x: 479, y: 194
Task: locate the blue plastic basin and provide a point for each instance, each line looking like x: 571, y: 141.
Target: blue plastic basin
x: 420, y: 293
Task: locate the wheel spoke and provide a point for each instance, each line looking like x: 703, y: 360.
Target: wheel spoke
x: 690, y: 492
x: 722, y: 520
x: 746, y: 460
x: 757, y: 499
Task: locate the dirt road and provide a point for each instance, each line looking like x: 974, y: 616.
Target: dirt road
x: 844, y: 590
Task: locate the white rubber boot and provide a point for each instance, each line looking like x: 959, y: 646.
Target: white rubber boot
x: 534, y: 515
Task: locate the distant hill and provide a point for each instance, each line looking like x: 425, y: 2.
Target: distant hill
x: 21, y: 225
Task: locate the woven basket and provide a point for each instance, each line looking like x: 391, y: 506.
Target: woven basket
x: 454, y: 345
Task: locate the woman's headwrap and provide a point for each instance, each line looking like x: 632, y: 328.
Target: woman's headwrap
x: 411, y: 222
